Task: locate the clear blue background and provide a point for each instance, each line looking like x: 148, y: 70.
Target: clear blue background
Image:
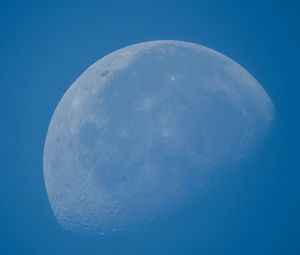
x: 45, y: 45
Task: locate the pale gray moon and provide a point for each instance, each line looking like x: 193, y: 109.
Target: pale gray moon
x: 140, y: 127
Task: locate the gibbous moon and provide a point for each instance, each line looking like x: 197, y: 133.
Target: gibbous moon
x: 140, y: 127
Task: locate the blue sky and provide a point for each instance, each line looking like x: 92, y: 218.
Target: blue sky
x: 46, y: 45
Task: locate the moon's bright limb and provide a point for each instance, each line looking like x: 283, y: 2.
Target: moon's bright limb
x: 136, y: 127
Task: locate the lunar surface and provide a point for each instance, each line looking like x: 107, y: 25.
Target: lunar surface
x: 142, y: 126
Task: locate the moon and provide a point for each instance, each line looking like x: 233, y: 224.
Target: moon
x: 141, y: 127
